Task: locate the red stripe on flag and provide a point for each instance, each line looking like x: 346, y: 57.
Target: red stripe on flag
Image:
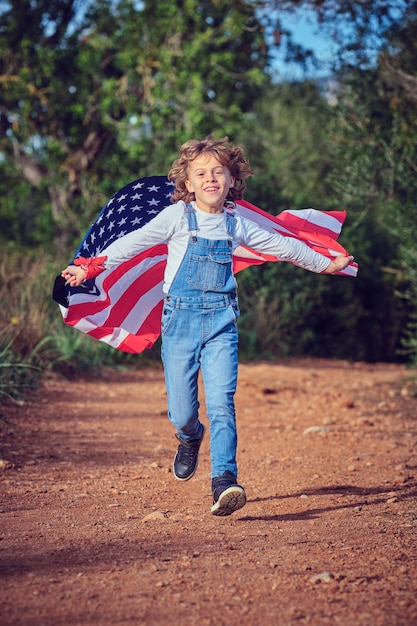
x: 134, y: 293
x: 328, y: 224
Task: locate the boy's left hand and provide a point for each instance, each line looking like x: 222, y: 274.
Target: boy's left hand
x: 338, y: 264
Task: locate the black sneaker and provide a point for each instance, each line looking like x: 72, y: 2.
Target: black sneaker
x: 186, y: 460
x: 228, y: 496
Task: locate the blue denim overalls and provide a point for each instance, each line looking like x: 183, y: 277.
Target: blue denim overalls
x: 199, y: 329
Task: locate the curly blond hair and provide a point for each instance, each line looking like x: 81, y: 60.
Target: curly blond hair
x: 225, y: 152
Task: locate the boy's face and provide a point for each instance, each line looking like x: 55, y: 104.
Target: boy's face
x: 210, y: 181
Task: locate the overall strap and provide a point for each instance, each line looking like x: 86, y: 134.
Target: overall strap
x: 192, y: 221
x: 230, y: 223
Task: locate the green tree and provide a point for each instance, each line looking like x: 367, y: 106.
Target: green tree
x: 96, y: 94
x: 285, y: 309
x: 285, y: 137
x: 374, y: 144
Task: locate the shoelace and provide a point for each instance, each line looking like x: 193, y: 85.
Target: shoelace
x: 186, y: 452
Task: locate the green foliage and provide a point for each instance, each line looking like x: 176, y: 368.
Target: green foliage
x: 374, y: 148
x: 97, y: 95
x: 285, y: 138
x: 17, y: 375
x: 287, y: 311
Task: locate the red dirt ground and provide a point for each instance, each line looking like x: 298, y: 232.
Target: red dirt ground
x: 95, y: 529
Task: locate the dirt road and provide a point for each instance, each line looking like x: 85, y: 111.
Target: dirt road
x: 95, y: 529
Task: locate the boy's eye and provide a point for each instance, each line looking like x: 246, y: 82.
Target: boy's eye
x: 216, y: 173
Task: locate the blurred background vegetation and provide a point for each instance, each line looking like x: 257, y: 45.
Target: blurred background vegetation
x: 96, y: 93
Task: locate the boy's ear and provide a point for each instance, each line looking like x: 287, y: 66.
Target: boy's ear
x: 232, y: 182
x: 189, y: 186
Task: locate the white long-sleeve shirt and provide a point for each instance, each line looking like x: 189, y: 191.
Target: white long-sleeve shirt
x: 170, y: 226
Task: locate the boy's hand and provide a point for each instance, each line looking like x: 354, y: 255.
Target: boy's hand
x: 74, y: 275
x: 338, y: 264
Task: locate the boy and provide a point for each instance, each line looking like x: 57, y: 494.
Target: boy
x: 199, y: 319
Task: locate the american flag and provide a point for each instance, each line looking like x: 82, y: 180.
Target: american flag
x: 122, y: 306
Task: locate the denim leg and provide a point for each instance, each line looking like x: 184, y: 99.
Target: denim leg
x: 219, y: 363
x: 180, y: 356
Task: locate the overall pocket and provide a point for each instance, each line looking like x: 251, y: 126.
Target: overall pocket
x: 208, y: 272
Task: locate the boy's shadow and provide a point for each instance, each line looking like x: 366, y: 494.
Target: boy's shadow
x: 366, y: 497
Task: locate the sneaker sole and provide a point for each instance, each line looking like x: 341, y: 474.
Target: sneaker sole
x: 196, y: 465
x: 232, y: 499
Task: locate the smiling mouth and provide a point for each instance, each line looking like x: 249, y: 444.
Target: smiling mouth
x: 209, y: 189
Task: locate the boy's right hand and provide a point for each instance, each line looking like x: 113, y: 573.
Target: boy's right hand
x: 74, y: 275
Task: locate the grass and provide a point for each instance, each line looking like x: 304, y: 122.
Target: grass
x: 33, y: 337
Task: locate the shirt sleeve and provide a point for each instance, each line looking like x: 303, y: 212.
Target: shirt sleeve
x: 289, y: 249
x: 158, y: 230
